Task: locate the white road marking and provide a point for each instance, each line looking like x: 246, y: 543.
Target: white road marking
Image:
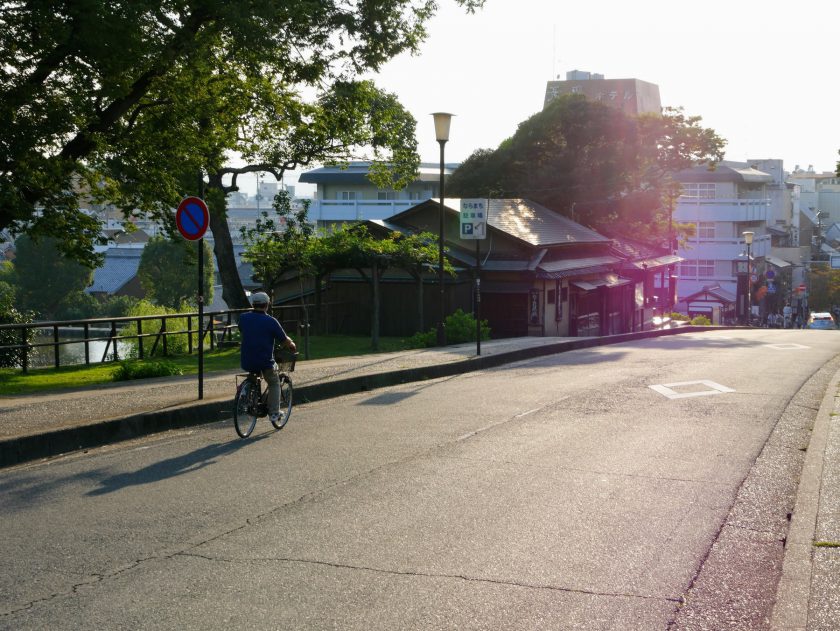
x: 785, y: 347
x: 667, y: 389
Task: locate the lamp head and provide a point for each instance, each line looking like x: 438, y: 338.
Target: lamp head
x: 442, y: 120
x: 748, y: 237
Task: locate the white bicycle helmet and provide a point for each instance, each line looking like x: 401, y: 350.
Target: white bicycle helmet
x: 259, y: 298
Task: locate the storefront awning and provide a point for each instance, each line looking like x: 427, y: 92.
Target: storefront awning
x: 777, y: 261
x: 608, y: 281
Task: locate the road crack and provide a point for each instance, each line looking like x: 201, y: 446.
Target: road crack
x: 419, y: 574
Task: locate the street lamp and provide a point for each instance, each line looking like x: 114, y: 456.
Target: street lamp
x: 748, y: 239
x: 442, y: 120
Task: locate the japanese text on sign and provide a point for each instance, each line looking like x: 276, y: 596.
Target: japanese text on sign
x: 473, y: 218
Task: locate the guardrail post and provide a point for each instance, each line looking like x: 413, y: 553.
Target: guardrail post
x: 24, y: 351
x: 140, y: 338
x: 56, y: 354
x: 114, y: 339
x: 163, y: 333
x: 189, y: 335
x: 87, y: 344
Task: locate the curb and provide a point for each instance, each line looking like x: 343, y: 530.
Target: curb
x: 23, y: 449
x: 790, y: 611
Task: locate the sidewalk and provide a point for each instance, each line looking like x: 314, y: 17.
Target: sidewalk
x: 808, y: 594
x: 42, y: 425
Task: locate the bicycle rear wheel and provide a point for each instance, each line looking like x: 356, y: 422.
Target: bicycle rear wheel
x: 244, y: 418
x: 286, y: 394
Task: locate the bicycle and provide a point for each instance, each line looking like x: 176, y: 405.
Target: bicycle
x: 251, y: 400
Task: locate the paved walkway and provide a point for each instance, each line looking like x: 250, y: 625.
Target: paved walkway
x: 43, y: 425
x: 28, y: 415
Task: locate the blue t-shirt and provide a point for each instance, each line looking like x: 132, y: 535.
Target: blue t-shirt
x: 259, y: 330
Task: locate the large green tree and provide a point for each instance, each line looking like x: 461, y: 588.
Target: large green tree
x: 45, y: 278
x: 592, y: 162
x: 130, y: 100
x: 168, y: 272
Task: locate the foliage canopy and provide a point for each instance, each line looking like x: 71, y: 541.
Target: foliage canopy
x: 592, y: 162
x: 127, y: 101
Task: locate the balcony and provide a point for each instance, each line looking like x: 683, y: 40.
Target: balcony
x: 724, y: 248
x: 359, y: 209
x: 692, y: 209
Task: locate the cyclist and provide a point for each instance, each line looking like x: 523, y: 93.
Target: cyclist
x: 259, y: 331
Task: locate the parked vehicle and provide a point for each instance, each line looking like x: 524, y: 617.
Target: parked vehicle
x: 820, y: 320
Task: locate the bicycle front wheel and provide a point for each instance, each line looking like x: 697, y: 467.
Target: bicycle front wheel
x: 286, y: 393
x: 244, y: 419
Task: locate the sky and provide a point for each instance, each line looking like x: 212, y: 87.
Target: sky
x: 760, y: 73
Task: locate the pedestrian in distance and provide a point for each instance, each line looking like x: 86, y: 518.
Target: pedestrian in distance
x: 259, y: 332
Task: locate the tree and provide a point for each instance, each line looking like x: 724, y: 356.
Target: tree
x: 9, y: 314
x: 824, y: 285
x: 168, y: 272
x: 45, y: 278
x: 592, y: 162
x: 128, y: 101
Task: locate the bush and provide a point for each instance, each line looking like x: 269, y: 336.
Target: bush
x: 701, y: 320
x: 679, y: 317
x: 128, y: 370
x: 177, y: 344
x: 460, y: 328
x: 9, y: 314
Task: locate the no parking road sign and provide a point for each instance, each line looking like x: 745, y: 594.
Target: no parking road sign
x: 192, y: 218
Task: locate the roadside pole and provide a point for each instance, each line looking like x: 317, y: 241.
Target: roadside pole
x: 473, y: 219
x: 201, y: 318
x: 192, y: 219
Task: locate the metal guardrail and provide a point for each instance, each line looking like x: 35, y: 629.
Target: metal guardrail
x: 218, y: 324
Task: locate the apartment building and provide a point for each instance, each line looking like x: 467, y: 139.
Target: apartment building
x: 632, y: 96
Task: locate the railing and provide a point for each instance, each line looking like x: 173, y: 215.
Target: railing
x: 690, y: 209
x: 355, y: 210
x: 218, y: 326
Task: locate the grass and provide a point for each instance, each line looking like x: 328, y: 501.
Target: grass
x: 827, y: 544
x: 14, y: 382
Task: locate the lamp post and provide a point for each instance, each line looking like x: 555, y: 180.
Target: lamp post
x: 748, y: 240
x: 442, y: 120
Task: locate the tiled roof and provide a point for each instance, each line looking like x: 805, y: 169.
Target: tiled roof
x: 536, y: 224
x: 119, y: 267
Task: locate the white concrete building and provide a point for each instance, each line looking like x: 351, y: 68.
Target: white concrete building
x: 346, y: 194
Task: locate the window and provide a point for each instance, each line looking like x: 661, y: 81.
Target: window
x: 415, y: 195
x: 702, y: 268
x: 706, y: 230
x: 705, y: 269
x: 346, y: 195
x: 385, y: 195
x: 698, y: 190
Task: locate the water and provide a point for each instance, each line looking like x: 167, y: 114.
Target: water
x: 74, y: 353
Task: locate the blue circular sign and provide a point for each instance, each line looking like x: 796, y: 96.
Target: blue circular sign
x: 192, y: 218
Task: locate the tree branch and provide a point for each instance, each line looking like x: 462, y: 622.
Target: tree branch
x: 83, y: 143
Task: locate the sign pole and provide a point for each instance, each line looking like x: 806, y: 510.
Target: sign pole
x: 478, y: 295
x: 201, y: 318
x: 192, y: 219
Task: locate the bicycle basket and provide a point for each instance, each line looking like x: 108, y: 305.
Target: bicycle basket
x: 285, y: 359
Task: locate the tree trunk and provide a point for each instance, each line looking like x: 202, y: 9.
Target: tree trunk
x: 318, y: 316
x: 375, y: 316
x: 232, y: 290
x: 420, y: 324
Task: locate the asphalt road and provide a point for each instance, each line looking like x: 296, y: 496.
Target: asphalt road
x: 558, y: 493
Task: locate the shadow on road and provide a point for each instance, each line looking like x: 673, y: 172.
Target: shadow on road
x: 172, y: 467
